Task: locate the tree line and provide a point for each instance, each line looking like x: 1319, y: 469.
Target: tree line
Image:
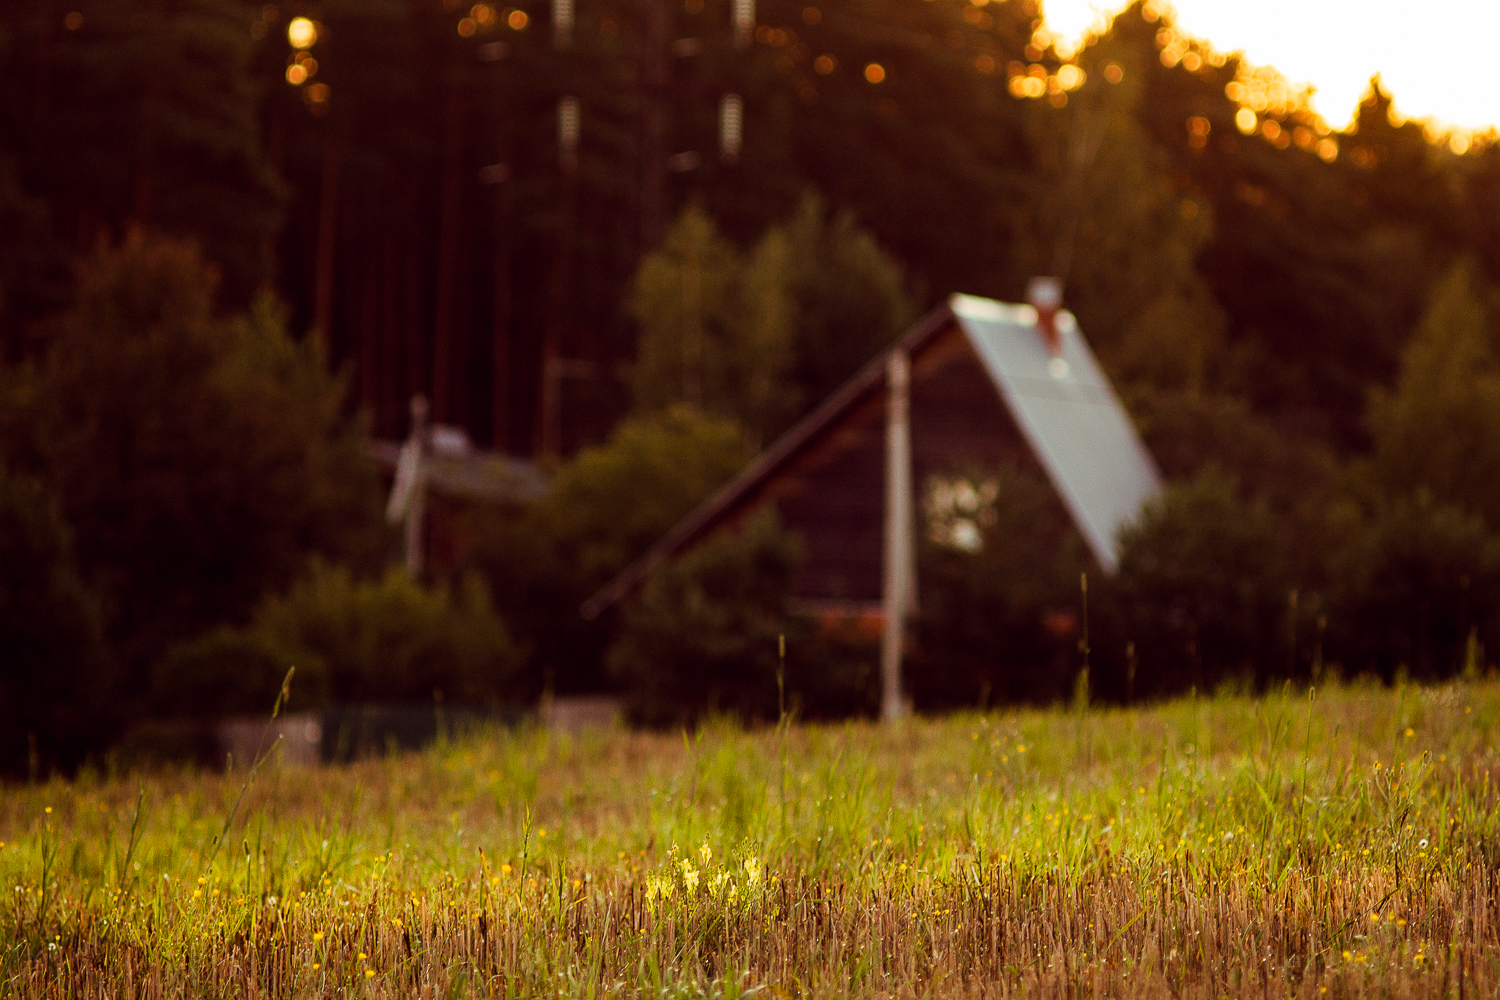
x: 408, y: 200
x: 230, y: 250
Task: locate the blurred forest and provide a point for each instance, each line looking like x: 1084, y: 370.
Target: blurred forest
x: 635, y: 242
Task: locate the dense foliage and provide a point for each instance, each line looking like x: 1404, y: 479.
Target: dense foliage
x: 764, y: 336
x: 55, y: 677
x: 198, y: 460
x: 1302, y: 319
x: 708, y: 630
x: 195, y: 463
x: 1287, y: 266
x: 604, y: 508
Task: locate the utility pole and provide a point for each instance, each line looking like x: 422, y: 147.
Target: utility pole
x: 899, y: 551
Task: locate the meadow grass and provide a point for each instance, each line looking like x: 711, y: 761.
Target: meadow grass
x: 1336, y: 843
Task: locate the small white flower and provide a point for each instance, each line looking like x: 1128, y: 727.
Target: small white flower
x: 1422, y: 843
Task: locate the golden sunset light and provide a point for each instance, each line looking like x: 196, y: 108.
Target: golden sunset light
x: 1432, y: 59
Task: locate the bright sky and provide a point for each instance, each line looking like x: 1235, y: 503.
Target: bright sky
x: 1436, y: 57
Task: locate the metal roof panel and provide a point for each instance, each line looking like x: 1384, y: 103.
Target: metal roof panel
x: 1069, y: 414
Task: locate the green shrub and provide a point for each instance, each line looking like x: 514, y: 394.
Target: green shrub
x: 702, y: 635
x: 1201, y: 589
x: 1422, y: 578
x: 606, y: 506
x: 613, y: 501
x: 390, y: 639
x: 383, y: 640
x: 54, y: 674
x: 233, y: 671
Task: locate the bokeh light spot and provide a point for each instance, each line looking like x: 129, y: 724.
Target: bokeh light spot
x: 301, y: 33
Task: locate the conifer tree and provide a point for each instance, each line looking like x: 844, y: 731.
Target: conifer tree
x: 1436, y: 431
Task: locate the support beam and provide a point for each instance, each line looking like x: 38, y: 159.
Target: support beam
x: 899, y: 551
x: 408, y: 502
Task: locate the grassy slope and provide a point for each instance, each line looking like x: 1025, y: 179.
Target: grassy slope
x: 1279, y: 846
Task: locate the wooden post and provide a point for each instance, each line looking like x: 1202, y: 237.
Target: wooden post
x: 416, y: 510
x: 898, y: 554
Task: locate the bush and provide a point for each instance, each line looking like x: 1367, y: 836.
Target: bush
x: 999, y: 585
x: 233, y: 671
x: 1201, y: 588
x: 390, y: 639
x: 1421, y: 580
x: 1187, y: 432
x: 606, y: 506
x: 613, y: 501
x: 54, y: 674
x: 352, y: 641
x: 702, y: 635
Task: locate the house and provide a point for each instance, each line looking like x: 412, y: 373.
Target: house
x: 974, y: 384
x: 433, y: 474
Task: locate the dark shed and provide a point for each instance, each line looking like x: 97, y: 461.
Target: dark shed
x: 986, y: 387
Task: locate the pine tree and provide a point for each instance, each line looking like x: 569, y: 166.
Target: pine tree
x: 1436, y: 431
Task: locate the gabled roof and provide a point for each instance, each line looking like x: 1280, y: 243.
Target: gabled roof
x: 471, y: 475
x: 1068, y: 413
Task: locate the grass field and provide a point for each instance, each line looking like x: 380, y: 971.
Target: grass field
x: 1341, y: 844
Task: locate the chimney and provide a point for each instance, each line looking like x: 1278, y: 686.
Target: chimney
x: 1045, y: 296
